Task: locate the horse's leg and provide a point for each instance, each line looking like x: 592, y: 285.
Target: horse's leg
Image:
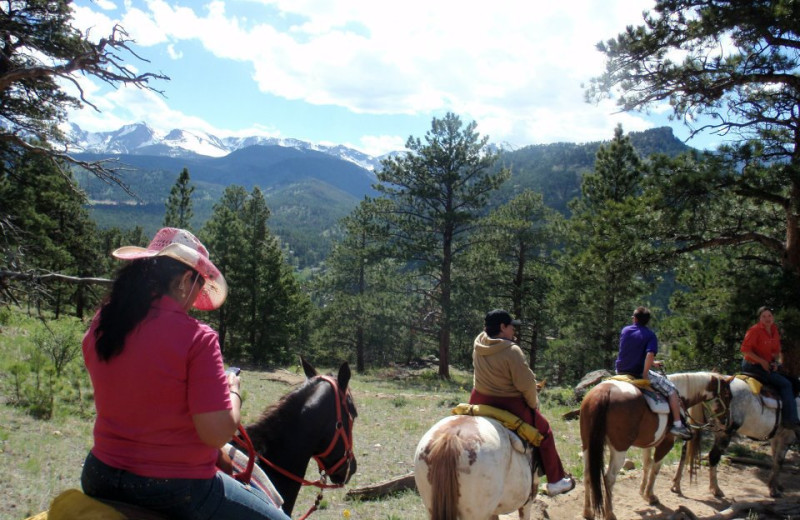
x: 780, y: 445
x: 676, y: 481
x: 588, y: 510
x: 721, y: 441
x: 615, y: 462
x: 647, y: 465
x: 525, y: 511
x: 658, y: 458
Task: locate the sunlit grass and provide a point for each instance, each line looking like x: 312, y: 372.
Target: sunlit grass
x: 395, y: 406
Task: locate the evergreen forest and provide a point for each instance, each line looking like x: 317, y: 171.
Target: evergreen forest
x: 569, y: 238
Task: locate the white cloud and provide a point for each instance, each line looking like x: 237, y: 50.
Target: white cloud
x: 106, y: 5
x: 515, y: 67
x: 376, y: 145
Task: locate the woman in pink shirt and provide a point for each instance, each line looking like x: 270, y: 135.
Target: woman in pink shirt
x: 164, y: 402
x: 761, y: 349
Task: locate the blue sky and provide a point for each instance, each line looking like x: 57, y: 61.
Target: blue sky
x: 366, y: 73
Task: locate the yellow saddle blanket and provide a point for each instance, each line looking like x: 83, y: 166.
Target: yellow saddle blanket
x: 754, y: 384
x: 508, y: 419
x: 644, y: 384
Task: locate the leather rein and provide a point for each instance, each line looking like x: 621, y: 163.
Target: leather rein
x: 345, y: 434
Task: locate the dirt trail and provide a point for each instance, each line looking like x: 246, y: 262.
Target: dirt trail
x: 744, y: 486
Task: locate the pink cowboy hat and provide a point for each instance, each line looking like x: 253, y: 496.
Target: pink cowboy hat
x: 184, y: 247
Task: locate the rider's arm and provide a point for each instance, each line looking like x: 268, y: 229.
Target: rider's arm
x: 217, y: 428
x: 522, y: 377
x: 649, y: 360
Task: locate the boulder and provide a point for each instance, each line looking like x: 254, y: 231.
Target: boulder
x: 588, y: 381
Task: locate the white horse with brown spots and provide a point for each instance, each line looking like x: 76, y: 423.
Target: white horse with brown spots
x: 474, y: 468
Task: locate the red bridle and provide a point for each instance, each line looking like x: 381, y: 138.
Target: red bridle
x: 346, y: 435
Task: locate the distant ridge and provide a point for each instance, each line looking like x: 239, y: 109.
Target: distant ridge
x: 141, y: 139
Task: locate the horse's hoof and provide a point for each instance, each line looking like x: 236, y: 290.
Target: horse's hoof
x: 676, y: 490
x: 718, y: 493
x: 653, y: 501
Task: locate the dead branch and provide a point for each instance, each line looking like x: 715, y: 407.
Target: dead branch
x: 572, y: 415
x: 382, y: 489
x: 750, y: 461
x: 52, y: 277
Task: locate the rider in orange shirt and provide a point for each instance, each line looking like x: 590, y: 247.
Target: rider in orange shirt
x: 762, y: 356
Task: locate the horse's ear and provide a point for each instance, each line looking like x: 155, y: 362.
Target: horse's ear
x: 307, y: 368
x: 729, y: 379
x: 344, y: 375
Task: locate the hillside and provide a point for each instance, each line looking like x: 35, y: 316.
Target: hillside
x: 309, y: 191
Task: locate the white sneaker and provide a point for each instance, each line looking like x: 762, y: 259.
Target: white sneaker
x: 565, y: 485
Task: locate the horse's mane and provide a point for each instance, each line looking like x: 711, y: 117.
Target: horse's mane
x: 691, y: 384
x: 277, y: 417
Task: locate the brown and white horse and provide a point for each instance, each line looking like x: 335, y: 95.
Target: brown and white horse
x: 615, y: 414
x: 473, y: 468
x: 749, y: 417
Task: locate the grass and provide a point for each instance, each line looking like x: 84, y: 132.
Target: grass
x: 41, y: 458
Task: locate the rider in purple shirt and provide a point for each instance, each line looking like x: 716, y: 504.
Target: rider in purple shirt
x: 638, y: 347
x: 635, y: 342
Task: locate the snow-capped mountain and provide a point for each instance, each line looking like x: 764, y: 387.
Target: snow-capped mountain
x: 140, y: 139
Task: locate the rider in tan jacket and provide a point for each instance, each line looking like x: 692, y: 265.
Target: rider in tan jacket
x: 503, y: 379
x: 501, y: 370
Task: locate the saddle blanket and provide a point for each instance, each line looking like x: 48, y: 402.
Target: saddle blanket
x: 657, y: 402
x: 756, y: 387
x: 508, y: 419
x: 258, y: 478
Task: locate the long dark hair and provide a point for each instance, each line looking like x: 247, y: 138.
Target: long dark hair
x: 138, y: 284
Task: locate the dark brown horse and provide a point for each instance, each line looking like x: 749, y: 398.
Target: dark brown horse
x: 615, y: 414
x: 313, y: 421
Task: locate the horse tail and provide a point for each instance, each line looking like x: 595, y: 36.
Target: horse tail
x: 697, y: 415
x: 593, y: 425
x: 443, y: 475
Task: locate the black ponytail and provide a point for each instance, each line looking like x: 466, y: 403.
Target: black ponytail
x: 138, y: 284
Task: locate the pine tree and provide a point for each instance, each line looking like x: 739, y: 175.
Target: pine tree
x: 747, y: 91
x: 607, y: 259
x: 266, y: 313
x: 224, y: 236
x: 438, y: 190
x: 360, y: 296
x: 510, y: 265
x: 58, y: 236
x: 41, y: 52
x: 178, y: 212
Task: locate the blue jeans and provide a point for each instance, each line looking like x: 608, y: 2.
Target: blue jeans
x: 783, y: 385
x: 220, y: 497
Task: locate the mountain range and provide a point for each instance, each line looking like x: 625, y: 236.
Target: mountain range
x: 308, y: 188
x: 140, y: 139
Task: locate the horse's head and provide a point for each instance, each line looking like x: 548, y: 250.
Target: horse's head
x: 332, y: 406
x: 710, y: 389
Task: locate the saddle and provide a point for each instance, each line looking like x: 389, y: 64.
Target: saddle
x: 72, y: 504
x: 657, y: 402
x: 507, y: 419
